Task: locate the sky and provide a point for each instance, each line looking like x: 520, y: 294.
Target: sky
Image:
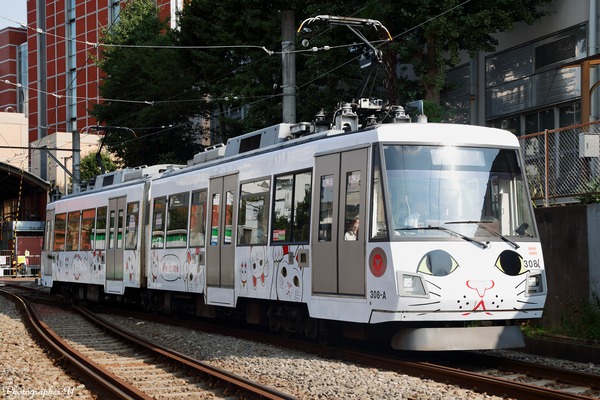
x: 15, y: 10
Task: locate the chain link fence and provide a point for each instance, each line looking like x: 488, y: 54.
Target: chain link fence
x: 563, y: 165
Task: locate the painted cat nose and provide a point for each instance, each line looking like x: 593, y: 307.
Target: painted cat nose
x: 480, y: 286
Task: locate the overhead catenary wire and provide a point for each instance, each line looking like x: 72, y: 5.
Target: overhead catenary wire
x: 206, y: 47
x: 255, y: 99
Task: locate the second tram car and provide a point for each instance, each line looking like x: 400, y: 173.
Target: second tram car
x: 421, y: 234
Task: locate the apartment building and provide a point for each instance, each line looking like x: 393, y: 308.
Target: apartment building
x: 533, y: 80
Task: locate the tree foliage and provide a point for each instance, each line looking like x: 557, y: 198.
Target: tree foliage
x: 431, y: 33
x: 229, y: 57
x: 239, y: 69
x: 89, y: 168
x: 428, y: 36
x: 154, y: 121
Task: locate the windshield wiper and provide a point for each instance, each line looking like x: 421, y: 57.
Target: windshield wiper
x: 487, y: 228
x: 450, y: 231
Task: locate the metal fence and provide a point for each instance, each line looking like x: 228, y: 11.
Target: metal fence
x: 563, y: 165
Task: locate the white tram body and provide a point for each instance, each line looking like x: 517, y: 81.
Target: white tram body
x: 446, y: 256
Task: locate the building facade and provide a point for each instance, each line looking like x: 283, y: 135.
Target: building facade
x: 529, y: 83
x: 13, y: 70
x: 48, y: 82
x: 533, y: 80
x: 63, y: 77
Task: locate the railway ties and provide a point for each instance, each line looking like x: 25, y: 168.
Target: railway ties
x: 526, y: 379
x: 127, y: 366
x: 537, y: 376
x: 499, y: 377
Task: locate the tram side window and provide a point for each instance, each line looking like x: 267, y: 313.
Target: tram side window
x: 352, y: 211
x: 73, y: 225
x: 158, y: 223
x: 100, y: 232
x: 87, y: 226
x: 120, y: 222
x: 49, y: 233
x: 60, y: 225
x: 228, y: 217
x: 253, y: 213
x: 214, y: 219
x: 131, y: 230
x: 291, y: 208
x: 111, y: 229
x: 326, y: 208
x: 198, y: 219
x: 178, y: 220
x: 378, y: 228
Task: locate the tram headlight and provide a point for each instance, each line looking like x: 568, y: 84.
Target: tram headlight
x: 535, y: 283
x: 410, y: 285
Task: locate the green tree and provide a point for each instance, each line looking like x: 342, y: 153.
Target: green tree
x: 89, y: 168
x: 431, y: 34
x: 428, y: 35
x: 236, y: 70
x: 225, y: 56
x: 154, y: 120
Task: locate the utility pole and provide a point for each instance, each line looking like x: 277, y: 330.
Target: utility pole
x: 65, y: 159
x: 76, y: 161
x: 288, y: 62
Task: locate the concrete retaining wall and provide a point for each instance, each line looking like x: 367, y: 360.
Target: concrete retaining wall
x: 571, y: 243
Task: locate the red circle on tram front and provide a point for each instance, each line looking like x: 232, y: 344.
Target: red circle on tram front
x: 377, y: 262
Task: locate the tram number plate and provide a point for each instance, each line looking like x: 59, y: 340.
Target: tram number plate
x: 377, y: 294
x: 532, y: 263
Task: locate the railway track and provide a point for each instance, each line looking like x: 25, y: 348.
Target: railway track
x: 478, y: 371
x: 126, y: 366
x: 503, y: 377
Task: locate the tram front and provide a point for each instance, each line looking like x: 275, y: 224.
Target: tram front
x: 463, y: 244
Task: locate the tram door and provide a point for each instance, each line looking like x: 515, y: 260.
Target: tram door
x: 115, y: 239
x: 47, y: 260
x: 220, y: 252
x: 338, y: 226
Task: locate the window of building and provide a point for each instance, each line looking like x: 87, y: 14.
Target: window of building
x: 569, y: 115
x: 539, y: 121
x: 512, y: 124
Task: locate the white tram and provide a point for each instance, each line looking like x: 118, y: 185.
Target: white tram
x: 446, y: 254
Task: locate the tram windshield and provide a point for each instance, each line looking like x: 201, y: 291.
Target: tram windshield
x: 468, y: 192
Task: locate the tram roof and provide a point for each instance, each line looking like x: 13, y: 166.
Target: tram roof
x: 452, y: 134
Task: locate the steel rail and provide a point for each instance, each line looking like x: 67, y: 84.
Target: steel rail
x: 197, y: 365
x: 108, y: 381
x: 476, y: 381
